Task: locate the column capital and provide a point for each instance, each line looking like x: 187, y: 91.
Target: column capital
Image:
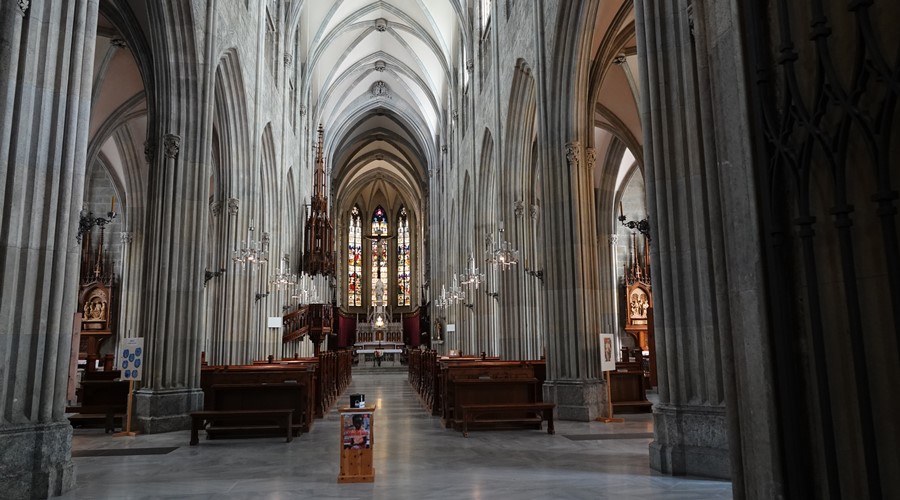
x: 519, y: 208
x: 215, y: 208
x: 173, y: 145
x: 127, y: 237
x: 573, y: 154
x: 148, y: 151
x: 23, y: 6
x: 590, y: 156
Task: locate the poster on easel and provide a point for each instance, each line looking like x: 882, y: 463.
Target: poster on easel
x: 607, y: 353
x: 131, y: 363
x: 131, y: 358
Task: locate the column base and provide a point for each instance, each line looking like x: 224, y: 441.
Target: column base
x: 166, y: 410
x: 690, y: 441
x: 36, y: 460
x: 581, y: 400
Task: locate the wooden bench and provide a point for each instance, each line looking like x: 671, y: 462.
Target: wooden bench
x: 236, y: 390
x: 501, y: 414
x: 281, y: 418
x: 100, y: 399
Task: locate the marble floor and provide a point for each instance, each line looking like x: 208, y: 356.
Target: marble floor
x: 415, y: 458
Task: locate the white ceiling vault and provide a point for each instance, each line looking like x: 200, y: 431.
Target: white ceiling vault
x: 378, y: 75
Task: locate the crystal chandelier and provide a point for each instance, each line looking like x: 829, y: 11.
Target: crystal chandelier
x: 456, y: 293
x: 284, y: 277
x: 252, y: 251
x: 471, y: 276
x: 306, y: 291
x: 442, y: 301
x: 502, y: 255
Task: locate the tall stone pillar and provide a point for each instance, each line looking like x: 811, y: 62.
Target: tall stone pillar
x: 568, y: 217
x: 691, y: 308
x: 174, y: 259
x: 572, y: 340
x: 46, y: 64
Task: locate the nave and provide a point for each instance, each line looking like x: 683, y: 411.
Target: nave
x: 415, y: 457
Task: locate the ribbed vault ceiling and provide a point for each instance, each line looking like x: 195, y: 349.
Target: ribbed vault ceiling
x: 379, y: 77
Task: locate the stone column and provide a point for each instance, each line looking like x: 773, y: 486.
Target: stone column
x: 46, y: 63
x: 573, y: 361
x: 690, y: 283
x: 177, y: 215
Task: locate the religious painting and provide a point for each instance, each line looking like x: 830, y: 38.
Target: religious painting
x: 356, y: 430
x: 607, y: 352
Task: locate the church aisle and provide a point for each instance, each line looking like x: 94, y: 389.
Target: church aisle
x: 415, y: 458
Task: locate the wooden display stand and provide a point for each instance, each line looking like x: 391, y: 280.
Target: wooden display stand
x: 357, y: 437
x: 610, y: 418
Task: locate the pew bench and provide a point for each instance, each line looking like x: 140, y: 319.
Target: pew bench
x: 100, y: 399
x: 282, y: 419
x: 91, y: 414
x: 505, y: 414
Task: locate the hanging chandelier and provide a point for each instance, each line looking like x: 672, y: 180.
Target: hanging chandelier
x: 306, y: 291
x: 456, y: 293
x: 252, y: 251
x: 471, y: 276
x: 284, y: 277
x: 502, y: 254
x: 443, y: 300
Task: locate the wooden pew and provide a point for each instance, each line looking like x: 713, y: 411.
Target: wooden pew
x: 333, y: 375
x: 281, y: 418
x: 106, y: 399
x: 508, y: 414
x: 492, y: 382
x: 250, y: 409
x: 301, y: 376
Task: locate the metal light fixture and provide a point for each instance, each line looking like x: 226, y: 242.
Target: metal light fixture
x: 87, y: 220
x: 502, y: 254
x: 642, y: 226
x: 306, y: 291
x: 252, y: 251
x: 471, y: 276
x: 283, y: 278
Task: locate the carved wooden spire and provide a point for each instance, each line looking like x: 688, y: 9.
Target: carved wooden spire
x: 318, y: 255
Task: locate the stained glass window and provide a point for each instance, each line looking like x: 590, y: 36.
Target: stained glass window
x: 354, y: 259
x: 403, y: 266
x: 379, y: 258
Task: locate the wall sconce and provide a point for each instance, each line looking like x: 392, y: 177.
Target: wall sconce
x: 642, y: 226
x: 494, y: 295
x: 539, y: 273
x: 470, y: 306
x: 87, y: 220
x: 260, y: 295
x: 212, y: 274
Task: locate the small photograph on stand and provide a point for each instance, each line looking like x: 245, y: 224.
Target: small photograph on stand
x: 356, y: 427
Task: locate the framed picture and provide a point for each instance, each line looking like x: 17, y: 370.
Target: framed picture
x: 607, y: 352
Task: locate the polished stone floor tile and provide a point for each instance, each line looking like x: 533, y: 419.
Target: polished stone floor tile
x: 415, y: 458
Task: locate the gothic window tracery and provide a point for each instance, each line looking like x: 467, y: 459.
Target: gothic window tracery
x: 403, y: 259
x: 379, y: 257
x: 354, y: 259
